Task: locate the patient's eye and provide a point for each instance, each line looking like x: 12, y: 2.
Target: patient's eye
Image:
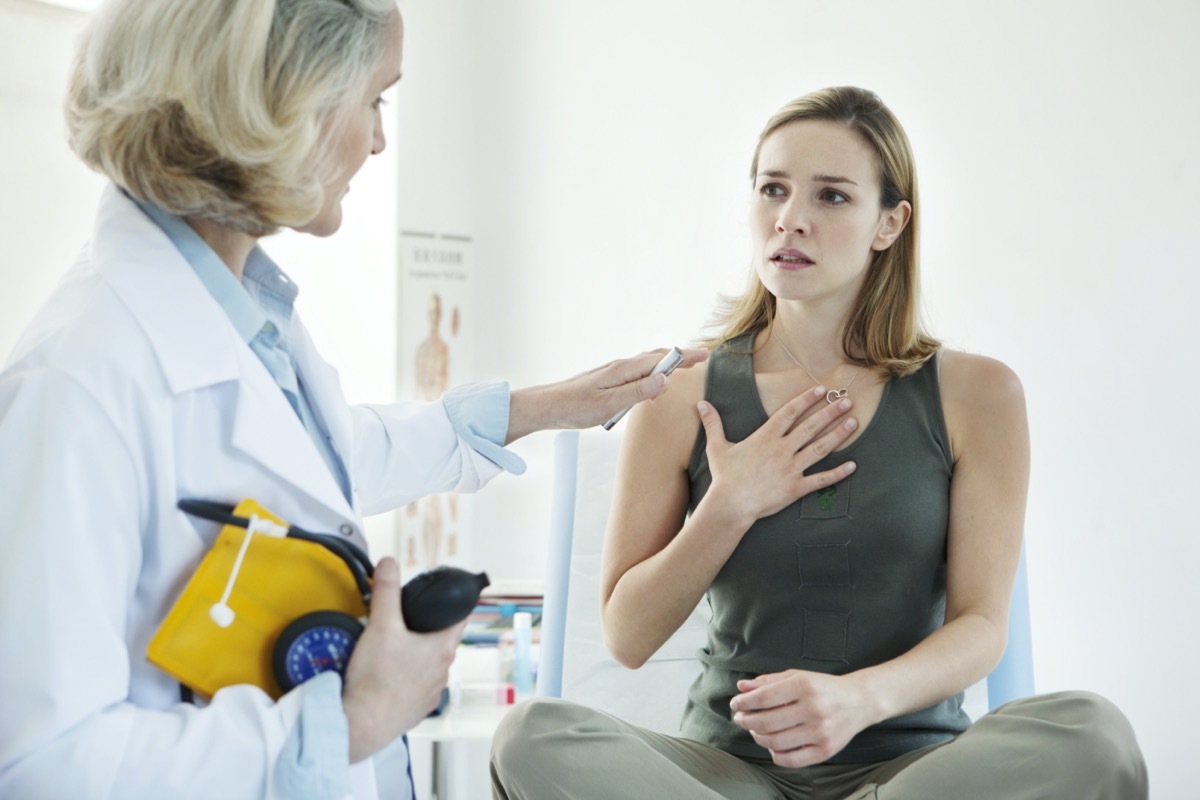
x: 834, y: 197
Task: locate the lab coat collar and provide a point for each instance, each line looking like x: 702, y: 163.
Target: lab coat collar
x: 164, y: 295
x: 197, y: 346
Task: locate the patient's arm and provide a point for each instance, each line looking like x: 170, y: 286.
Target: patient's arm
x: 646, y: 589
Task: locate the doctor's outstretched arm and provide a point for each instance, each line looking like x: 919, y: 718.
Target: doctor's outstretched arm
x: 592, y: 397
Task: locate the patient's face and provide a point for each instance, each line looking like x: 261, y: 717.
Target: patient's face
x: 815, y: 216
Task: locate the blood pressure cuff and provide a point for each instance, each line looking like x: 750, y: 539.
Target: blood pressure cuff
x: 250, y: 585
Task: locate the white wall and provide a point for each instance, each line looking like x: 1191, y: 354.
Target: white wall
x: 48, y: 197
x: 598, y: 152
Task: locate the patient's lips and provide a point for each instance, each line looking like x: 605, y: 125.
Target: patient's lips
x: 791, y: 259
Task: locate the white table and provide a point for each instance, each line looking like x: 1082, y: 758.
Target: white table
x: 466, y: 723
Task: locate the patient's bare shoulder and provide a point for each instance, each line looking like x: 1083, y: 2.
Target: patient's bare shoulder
x: 665, y: 429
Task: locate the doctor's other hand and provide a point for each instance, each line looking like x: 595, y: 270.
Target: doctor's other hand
x: 593, y: 397
x: 395, y: 677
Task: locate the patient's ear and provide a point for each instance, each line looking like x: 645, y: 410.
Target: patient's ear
x: 891, y: 225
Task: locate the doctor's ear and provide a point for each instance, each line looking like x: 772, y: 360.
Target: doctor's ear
x: 891, y: 225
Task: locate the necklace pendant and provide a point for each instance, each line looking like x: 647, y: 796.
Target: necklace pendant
x: 833, y: 395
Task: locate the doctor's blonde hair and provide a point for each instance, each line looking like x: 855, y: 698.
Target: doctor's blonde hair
x: 222, y: 110
x: 884, y: 328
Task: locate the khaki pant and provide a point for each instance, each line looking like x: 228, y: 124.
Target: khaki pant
x: 1057, y: 747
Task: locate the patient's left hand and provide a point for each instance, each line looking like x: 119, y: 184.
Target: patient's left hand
x: 593, y: 397
x: 802, y: 718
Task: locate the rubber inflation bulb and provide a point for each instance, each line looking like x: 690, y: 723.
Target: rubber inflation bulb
x: 435, y: 600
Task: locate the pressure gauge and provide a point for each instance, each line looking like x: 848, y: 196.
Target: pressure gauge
x: 312, y: 644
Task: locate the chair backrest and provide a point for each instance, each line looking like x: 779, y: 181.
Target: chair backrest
x: 1013, y: 676
x: 574, y: 662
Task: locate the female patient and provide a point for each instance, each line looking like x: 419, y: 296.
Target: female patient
x: 851, y: 499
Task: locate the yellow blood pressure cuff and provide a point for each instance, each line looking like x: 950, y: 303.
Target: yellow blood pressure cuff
x: 251, y: 584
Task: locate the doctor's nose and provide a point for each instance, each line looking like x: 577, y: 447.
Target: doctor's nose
x: 378, y: 140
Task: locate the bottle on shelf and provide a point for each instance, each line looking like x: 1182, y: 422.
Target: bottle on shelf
x: 522, y: 654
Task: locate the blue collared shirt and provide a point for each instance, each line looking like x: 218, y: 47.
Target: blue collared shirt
x: 260, y: 306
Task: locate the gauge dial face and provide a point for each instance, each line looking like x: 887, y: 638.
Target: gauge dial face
x: 315, y: 643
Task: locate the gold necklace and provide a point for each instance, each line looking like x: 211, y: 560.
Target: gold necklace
x: 833, y: 395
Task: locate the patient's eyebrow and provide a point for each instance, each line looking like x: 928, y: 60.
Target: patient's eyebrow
x: 819, y: 178
x: 833, y: 179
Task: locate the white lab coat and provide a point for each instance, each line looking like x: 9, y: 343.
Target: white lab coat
x: 129, y: 391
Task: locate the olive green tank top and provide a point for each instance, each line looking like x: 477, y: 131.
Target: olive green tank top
x: 845, y: 578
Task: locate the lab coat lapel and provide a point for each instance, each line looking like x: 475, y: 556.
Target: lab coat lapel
x: 197, y: 347
x: 267, y: 429
x: 324, y: 388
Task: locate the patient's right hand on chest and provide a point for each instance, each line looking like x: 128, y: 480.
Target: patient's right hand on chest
x: 764, y: 472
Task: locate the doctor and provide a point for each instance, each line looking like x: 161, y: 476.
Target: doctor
x: 169, y: 363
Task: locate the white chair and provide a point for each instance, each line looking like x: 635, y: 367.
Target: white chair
x: 574, y: 663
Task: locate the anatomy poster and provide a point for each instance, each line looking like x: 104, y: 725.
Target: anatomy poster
x: 436, y: 330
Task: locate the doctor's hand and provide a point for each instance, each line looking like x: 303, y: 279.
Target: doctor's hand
x: 395, y: 677
x: 593, y: 397
x: 802, y: 718
x: 764, y: 473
